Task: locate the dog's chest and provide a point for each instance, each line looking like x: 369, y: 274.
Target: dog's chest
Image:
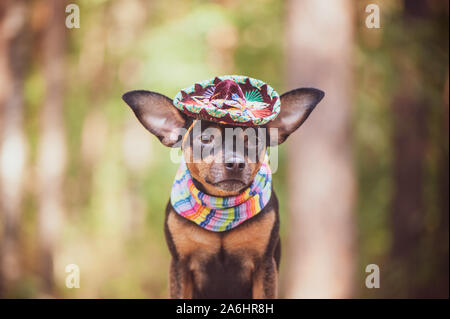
x: 245, y: 244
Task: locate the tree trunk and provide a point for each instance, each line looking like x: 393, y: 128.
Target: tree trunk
x: 443, y: 237
x: 13, y: 49
x: 320, y: 252
x: 408, y: 202
x: 410, y: 114
x: 52, y: 146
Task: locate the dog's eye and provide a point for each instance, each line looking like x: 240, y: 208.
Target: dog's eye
x: 252, y: 141
x: 206, y: 139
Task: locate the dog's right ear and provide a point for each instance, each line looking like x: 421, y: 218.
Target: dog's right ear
x: 296, y: 105
x: 158, y: 115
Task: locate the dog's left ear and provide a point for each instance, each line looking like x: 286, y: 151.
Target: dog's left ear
x: 158, y: 115
x: 296, y: 105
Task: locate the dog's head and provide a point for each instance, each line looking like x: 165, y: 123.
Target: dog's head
x: 222, y: 159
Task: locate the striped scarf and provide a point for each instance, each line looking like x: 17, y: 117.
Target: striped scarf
x: 220, y: 213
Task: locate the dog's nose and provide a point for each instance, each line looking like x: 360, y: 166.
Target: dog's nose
x: 235, y: 165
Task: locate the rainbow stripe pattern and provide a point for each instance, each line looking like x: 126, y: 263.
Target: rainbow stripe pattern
x: 220, y: 214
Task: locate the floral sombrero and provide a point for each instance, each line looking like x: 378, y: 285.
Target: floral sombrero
x: 230, y: 99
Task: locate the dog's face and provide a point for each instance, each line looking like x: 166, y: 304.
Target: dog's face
x: 222, y: 159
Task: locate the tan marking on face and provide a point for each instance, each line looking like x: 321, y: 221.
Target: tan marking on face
x: 200, y: 170
x: 255, y: 168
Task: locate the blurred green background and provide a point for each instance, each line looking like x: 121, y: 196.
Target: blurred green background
x: 83, y: 182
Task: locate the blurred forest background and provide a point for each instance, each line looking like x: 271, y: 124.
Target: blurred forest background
x: 364, y: 181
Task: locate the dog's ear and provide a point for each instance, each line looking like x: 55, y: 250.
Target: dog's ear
x: 296, y: 105
x: 156, y: 112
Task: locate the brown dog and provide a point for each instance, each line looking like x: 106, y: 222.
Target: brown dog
x: 241, y: 262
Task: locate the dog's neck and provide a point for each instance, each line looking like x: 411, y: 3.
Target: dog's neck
x: 219, y: 213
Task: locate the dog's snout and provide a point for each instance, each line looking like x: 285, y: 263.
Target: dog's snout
x: 235, y: 165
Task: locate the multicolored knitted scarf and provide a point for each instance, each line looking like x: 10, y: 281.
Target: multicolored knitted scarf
x: 220, y: 213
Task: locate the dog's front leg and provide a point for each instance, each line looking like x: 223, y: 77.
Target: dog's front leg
x: 265, y: 280
x: 180, y: 281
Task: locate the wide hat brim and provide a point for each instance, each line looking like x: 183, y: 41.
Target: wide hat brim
x: 230, y: 99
